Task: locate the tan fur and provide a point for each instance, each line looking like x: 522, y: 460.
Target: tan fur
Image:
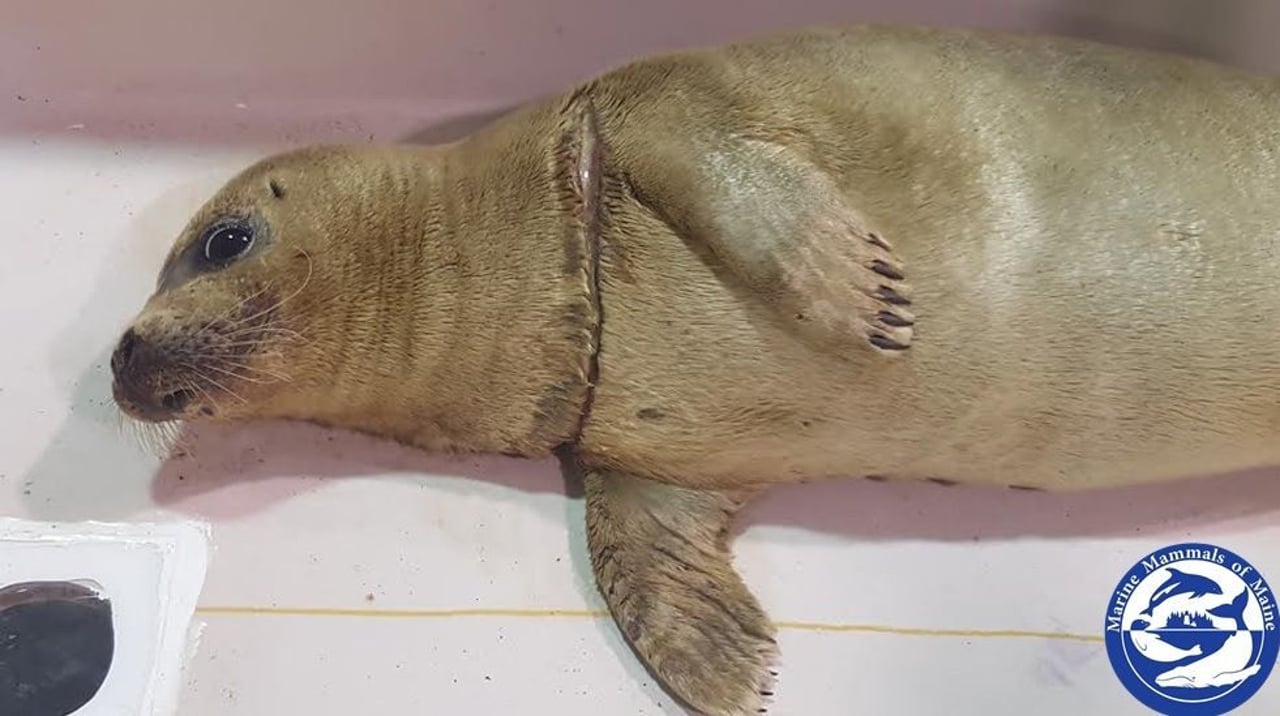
x: 841, y: 252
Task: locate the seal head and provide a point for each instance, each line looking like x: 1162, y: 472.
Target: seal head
x: 439, y: 296
x: 209, y: 341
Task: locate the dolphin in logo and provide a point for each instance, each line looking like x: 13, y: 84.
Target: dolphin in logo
x: 1180, y: 582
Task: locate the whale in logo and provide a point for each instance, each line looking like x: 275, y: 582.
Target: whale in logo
x: 1228, y: 664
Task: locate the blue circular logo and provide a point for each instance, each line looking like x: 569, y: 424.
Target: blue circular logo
x: 1191, y: 630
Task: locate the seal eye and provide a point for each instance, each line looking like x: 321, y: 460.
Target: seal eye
x: 227, y: 243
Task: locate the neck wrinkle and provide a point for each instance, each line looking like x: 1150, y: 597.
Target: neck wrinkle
x: 395, y: 326
x: 493, y: 350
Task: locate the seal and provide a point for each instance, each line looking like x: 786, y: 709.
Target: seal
x: 891, y: 252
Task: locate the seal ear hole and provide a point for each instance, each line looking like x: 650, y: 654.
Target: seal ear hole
x: 277, y: 189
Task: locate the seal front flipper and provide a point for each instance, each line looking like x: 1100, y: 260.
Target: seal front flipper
x: 782, y: 227
x: 662, y: 562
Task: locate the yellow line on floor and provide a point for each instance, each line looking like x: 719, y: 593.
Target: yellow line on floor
x: 961, y: 633
x: 370, y: 613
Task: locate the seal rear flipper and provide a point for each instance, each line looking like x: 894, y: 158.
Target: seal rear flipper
x: 786, y: 231
x: 662, y: 562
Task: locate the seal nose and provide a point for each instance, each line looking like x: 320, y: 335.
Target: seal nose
x: 133, y: 365
x: 136, y: 365
x: 122, y: 358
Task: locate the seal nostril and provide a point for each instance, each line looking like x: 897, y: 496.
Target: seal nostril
x: 177, y: 400
x: 125, y: 350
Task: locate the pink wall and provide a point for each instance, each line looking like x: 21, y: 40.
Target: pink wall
x: 252, y: 70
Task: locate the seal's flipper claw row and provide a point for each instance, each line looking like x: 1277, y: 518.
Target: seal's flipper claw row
x: 662, y: 562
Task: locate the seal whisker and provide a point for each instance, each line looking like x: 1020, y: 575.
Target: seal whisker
x: 217, y: 407
x: 230, y: 362
x: 280, y: 376
x: 245, y: 371
x: 250, y: 341
x: 156, y: 439
x: 305, y: 282
x: 205, y: 377
x: 245, y: 323
x: 235, y: 359
x: 260, y: 330
x: 242, y: 376
x: 235, y: 307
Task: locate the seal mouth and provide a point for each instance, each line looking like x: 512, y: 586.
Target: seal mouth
x: 169, y: 406
x: 143, y: 381
x: 172, y: 372
x: 176, y: 401
x: 193, y: 358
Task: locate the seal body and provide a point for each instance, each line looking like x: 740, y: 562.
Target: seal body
x: 838, y: 252
x: 1089, y: 235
